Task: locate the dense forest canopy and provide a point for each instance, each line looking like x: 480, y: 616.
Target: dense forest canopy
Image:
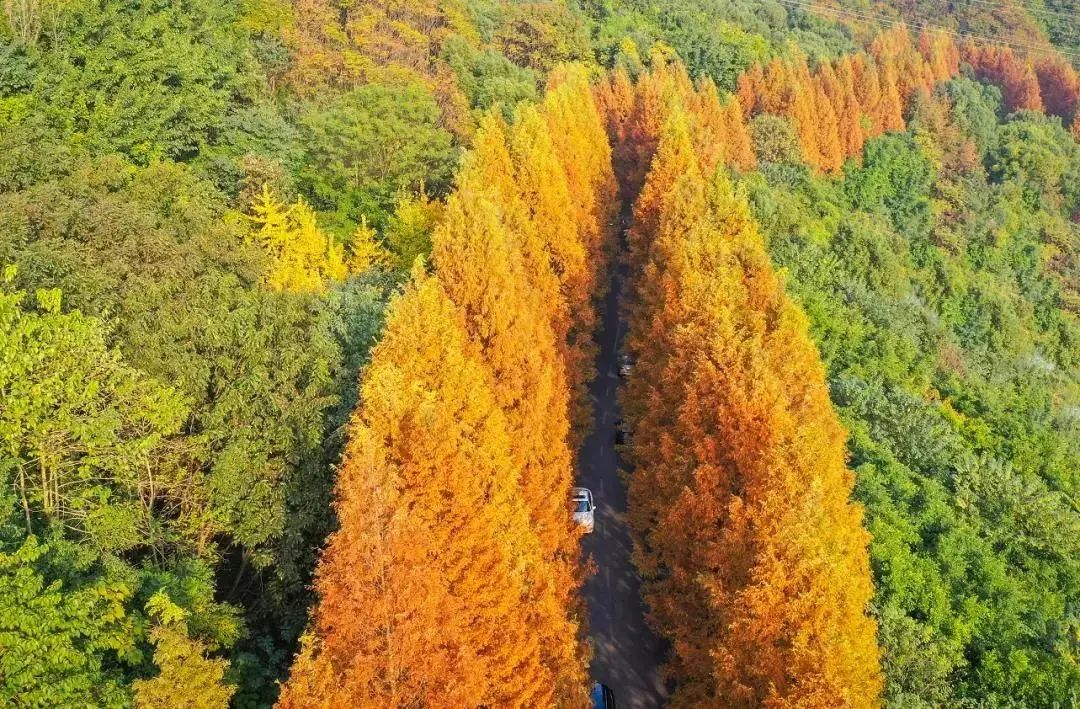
x: 210, y: 212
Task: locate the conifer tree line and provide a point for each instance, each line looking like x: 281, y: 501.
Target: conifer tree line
x: 206, y: 206
x: 836, y: 106
x: 755, y: 561
x: 839, y: 105
x: 454, y: 576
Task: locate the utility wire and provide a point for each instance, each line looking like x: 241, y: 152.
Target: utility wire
x: 1032, y: 10
x: 900, y: 22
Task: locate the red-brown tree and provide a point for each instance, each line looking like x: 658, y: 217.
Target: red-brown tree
x: 740, y: 487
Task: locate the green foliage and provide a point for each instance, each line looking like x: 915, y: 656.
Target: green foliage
x: 79, y: 428
x: 894, y: 180
x: 149, y: 79
x: 1038, y: 153
x: 368, y: 145
x: 775, y: 140
x: 717, y: 49
x: 953, y: 364
x: 408, y: 231
x: 487, y: 77
x: 975, y: 109
x: 59, y: 642
x: 256, y: 379
x: 714, y: 38
x: 186, y: 678
x: 542, y: 35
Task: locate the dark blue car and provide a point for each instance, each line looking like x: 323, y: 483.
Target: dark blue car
x: 602, y: 697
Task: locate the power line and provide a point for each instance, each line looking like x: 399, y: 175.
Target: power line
x: 895, y: 22
x: 1025, y: 8
x: 898, y: 22
x: 922, y: 25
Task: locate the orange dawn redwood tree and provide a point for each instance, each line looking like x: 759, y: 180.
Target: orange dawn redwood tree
x: 453, y: 580
x: 496, y: 252
x: 454, y: 576
x: 421, y: 591
x: 755, y: 559
x: 1002, y: 67
x: 837, y: 105
x: 562, y: 147
x: 1059, y: 85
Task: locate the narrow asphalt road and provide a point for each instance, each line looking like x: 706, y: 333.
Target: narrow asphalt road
x: 627, y: 655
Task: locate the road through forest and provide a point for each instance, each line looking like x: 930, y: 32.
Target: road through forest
x: 626, y: 654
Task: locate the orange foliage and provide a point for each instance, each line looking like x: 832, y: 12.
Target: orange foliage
x: 891, y: 107
x: 636, y: 135
x: 740, y: 149
x: 867, y: 84
x: 420, y: 596
x: 488, y: 255
x: 1059, y: 85
x: 850, y: 112
x: 711, y: 127
x: 830, y: 146
x: 513, y: 252
x: 838, y: 105
x: 391, y: 41
x: 755, y: 559
x: 751, y: 86
x: 580, y: 145
x: 804, y: 111
x: 635, y: 115
x: 675, y: 157
x: 1000, y: 66
x: 941, y: 55
x: 466, y: 411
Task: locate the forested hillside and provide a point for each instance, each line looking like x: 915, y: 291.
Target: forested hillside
x: 298, y: 303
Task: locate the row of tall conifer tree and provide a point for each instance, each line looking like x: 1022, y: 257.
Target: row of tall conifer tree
x: 454, y: 576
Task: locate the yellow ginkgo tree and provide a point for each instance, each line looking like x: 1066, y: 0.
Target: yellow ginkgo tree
x: 304, y: 258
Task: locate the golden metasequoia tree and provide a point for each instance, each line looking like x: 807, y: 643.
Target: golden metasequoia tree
x: 421, y: 591
x: 635, y: 114
x: 511, y: 255
x: 468, y: 402
x: 836, y: 106
x: 754, y: 557
x: 490, y: 270
x: 563, y: 147
x: 1013, y: 74
x: 580, y: 140
x: 1059, y: 85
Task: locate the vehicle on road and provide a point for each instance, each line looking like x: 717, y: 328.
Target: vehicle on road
x: 626, y: 365
x: 602, y: 697
x: 584, y: 508
x: 622, y: 432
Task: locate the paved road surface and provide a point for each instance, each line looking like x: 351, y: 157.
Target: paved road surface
x: 627, y: 655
